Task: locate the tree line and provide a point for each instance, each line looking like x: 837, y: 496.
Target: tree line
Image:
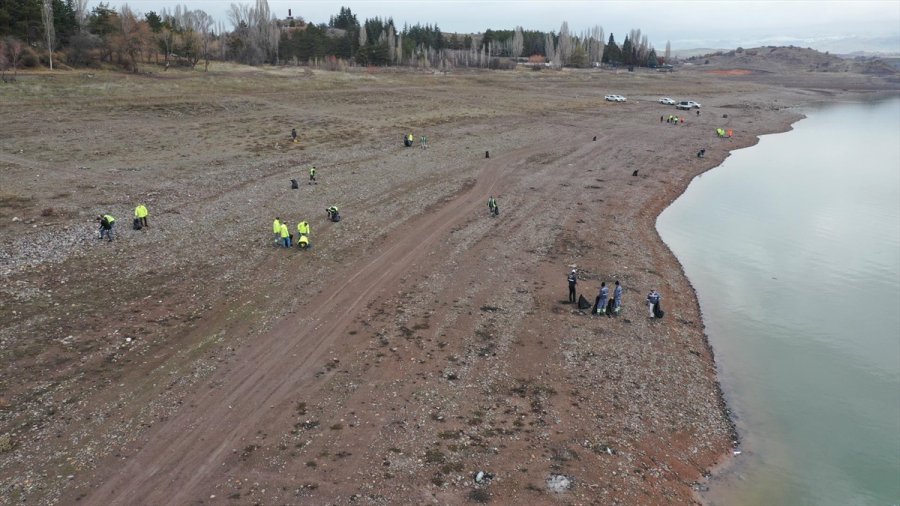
x: 41, y: 32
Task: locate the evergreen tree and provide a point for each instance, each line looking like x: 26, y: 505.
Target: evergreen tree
x: 22, y: 20
x: 345, y: 20
x: 612, y: 54
x: 154, y: 21
x: 627, y: 53
x: 579, y: 57
x: 65, y: 24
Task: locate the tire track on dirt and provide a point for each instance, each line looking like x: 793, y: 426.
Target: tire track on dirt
x: 269, y: 374
x: 24, y: 162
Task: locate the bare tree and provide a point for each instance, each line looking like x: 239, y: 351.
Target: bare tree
x: 518, y: 43
x: 204, y: 25
x: 47, y: 17
x: 239, y: 14
x: 265, y: 29
x: 565, y: 46
x: 131, y: 43
x: 668, y: 51
x: 391, y: 43
x: 4, y: 61
x: 363, y: 36
x: 222, y: 47
x: 645, y: 49
x: 166, y: 35
x: 14, y: 54
x: 188, y: 35
x: 596, y: 45
x: 257, y: 29
x: 80, y: 7
x: 550, y: 48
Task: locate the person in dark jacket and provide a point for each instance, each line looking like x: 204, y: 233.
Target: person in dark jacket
x: 107, y: 223
x: 573, y: 280
x: 653, y: 299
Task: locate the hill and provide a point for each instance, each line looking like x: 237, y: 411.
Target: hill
x: 790, y: 59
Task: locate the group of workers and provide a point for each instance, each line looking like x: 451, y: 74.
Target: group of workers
x: 107, y: 222
x: 604, y: 305
x: 284, y: 237
x: 409, y: 140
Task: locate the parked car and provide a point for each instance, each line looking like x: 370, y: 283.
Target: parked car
x: 615, y: 98
x: 667, y: 101
x: 687, y: 104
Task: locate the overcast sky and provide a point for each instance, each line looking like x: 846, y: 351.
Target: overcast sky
x: 822, y: 24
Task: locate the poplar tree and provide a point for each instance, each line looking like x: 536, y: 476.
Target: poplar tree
x: 47, y: 17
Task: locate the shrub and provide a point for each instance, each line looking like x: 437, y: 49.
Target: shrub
x: 29, y: 58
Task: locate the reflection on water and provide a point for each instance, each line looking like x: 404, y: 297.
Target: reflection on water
x: 793, y: 246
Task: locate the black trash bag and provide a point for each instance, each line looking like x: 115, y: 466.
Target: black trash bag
x: 610, y: 307
x: 658, y: 311
x: 294, y: 184
x: 137, y: 224
x: 583, y: 303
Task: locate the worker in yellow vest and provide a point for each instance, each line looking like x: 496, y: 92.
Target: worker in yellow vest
x: 303, y: 234
x: 276, y: 229
x: 140, y: 216
x: 107, y: 223
x: 285, y: 235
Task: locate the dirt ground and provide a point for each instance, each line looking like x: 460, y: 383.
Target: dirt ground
x: 418, y: 342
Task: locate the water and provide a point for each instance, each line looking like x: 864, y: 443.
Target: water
x: 793, y: 246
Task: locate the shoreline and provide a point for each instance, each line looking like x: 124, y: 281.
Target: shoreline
x: 727, y: 459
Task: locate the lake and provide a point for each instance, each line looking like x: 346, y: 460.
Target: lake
x: 793, y: 247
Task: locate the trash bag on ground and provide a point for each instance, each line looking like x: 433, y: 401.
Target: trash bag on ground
x: 583, y: 303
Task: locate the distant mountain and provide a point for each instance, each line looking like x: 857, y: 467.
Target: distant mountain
x: 842, y: 44
x: 785, y: 59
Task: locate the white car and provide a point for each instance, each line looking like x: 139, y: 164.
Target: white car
x: 667, y: 101
x: 687, y: 104
x: 615, y: 98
